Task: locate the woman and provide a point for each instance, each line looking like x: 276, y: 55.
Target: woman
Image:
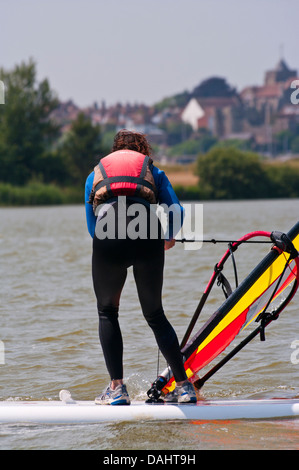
x: 128, y: 171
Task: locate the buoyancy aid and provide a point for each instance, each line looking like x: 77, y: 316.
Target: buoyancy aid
x: 123, y: 173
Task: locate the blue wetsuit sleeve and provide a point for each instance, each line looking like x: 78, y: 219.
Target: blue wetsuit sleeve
x: 167, y: 196
x: 90, y: 217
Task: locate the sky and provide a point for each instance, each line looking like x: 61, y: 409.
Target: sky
x: 141, y: 51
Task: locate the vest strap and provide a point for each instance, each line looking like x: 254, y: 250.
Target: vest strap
x: 142, y: 176
x: 122, y: 179
x: 104, y: 174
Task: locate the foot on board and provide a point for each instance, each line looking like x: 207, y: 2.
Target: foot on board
x: 182, y: 394
x: 119, y: 396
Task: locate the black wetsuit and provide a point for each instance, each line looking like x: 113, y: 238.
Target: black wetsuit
x: 110, y: 261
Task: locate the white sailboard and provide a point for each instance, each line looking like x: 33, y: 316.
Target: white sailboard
x: 69, y: 411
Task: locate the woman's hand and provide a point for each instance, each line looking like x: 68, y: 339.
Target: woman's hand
x: 169, y: 244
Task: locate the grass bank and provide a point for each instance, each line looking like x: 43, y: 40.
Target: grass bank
x: 39, y: 194
x: 283, y: 179
x: 184, y: 180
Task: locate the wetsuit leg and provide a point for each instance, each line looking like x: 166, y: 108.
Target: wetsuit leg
x: 109, y: 275
x: 148, y: 272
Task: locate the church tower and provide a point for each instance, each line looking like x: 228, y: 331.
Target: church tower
x: 280, y: 73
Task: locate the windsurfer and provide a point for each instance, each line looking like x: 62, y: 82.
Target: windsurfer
x: 124, y: 173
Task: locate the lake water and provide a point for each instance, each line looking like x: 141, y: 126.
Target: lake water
x: 49, y: 330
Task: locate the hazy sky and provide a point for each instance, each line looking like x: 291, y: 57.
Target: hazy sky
x: 144, y: 50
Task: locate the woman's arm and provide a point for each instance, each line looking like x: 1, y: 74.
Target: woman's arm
x: 167, y: 196
x: 90, y: 217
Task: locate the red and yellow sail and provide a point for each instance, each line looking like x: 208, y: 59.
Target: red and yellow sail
x: 241, y: 308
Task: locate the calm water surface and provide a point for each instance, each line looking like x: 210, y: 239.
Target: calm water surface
x: 49, y: 330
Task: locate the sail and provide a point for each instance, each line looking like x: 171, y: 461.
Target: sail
x: 257, y: 292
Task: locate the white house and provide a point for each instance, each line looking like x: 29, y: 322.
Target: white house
x: 192, y: 113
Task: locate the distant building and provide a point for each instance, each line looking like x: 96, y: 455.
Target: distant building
x: 281, y: 73
x: 216, y: 114
x: 64, y: 114
x: 268, y: 108
x: 154, y: 134
x: 258, y: 112
x: 254, y: 114
x: 192, y: 113
x: 272, y: 91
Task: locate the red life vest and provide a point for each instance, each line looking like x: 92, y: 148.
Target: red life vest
x: 123, y: 173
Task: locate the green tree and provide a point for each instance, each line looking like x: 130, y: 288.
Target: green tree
x: 283, y: 141
x: 230, y: 173
x: 82, y: 148
x: 284, y: 179
x: 180, y: 100
x: 295, y: 145
x: 26, y: 130
x: 193, y: 146
x: 214, y: 86
x: 176, y: 132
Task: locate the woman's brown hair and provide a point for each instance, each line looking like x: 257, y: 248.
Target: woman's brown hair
x: 131, y: 141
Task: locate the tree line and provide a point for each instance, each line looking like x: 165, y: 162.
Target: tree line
x: 33, y: 150
x: 231, y: 173
x: 39, y: 164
